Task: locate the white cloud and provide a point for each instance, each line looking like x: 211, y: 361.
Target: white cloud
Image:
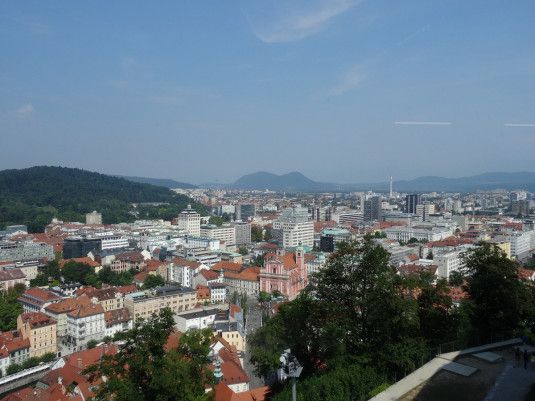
x: 352, y: 79
x: 25, y: 111
x: 299, y: 22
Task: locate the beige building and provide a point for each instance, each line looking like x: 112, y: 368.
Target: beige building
x: 108, y: 298
x: 142, y: 305
x: 41, y: 330
x: 59, y: 311
x: 190, y: 221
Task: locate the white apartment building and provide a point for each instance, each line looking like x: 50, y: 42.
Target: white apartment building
x: 111, y: 240
x: 447, y: 263
x: 402, y: 233
x: 85, y: 324
x: 189, y: 220
x: 225, y: 233
x: 294, y: 228
x: 520, y: 244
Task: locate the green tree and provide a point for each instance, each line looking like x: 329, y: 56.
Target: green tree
x: 264, y: 296
x: 354, y: 311
x: 152, y: 281
x: 498, y: 302
x: 456, y: 278
x: 256, y: 233
x: 10, y: 308
x: 143, y: 370
x: 217, y: 220
x: 92, y: 344
x: 259, y: 260
x: 243, y: 250
x: 268, y: 236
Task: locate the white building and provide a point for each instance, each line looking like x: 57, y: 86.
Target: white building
x: 117, y: 321
x: 111, y: 240
x: 85, y: 324
x: 401, y: 233
x: 225, y: 233
x: 293, y: 228
x: 190, y: 221
x: 448, y: 263
x: 218, y: 292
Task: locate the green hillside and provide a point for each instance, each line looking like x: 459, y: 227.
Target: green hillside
x: 34, y: 195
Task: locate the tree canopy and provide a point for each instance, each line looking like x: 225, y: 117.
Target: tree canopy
x: 142, y: 369
x: 498, y: 302
x: 35, y: 195
x: 354, y: 312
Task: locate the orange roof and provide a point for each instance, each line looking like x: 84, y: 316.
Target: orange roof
x: 232, y: 373
x: 38, y: 296
x: 235, y: 267
x: 68, y: 304
x: 117, y: 316
x: 288, y: 260
x: 37, y: 319
x: 203, y: 292
x: 87, y: 310
x: 209, y: 274
x: 127, y: 289
x: 182, y: 262
x: 90, y: 356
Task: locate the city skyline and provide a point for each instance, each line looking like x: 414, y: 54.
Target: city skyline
x: 341, y: 91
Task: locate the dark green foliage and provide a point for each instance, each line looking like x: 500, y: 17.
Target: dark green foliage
x: 143, y: 370
x: 35, y: 195
x: 259, y: 260
x: 92, y: 344
x: 51, y: 273
x: 353, y: 315
x: 345, y: 383
x: 256, y: 233
x: 10, y: 308
x: 498, y: 302
x: 218, y: 221
x: 108, y: 276
x: 31, y: 362
x: 76, y: 272
x: 243, y: 250
x: 153, y: 280
x: 456, y: 278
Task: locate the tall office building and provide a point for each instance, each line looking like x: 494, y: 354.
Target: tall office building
x: 411, y: 201
x: 244, y: 211
x: 293, y: 228
x: 372, y: 209
x: 243, y: 233
x: 190, y: 221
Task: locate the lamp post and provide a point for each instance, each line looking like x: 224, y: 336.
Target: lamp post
x: 291, y: 368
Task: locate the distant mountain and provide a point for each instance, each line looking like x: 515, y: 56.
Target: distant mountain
x: 486, y: 181
x: 161, y: 182
x: 294, y: 181
x: 298, y: 182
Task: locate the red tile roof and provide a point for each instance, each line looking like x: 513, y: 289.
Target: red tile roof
x: 228, y: 266
x: 37, y: 319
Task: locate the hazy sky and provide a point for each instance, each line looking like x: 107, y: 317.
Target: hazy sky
x: 207, y: 91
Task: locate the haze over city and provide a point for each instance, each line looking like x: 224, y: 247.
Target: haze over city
x: 342, y: 91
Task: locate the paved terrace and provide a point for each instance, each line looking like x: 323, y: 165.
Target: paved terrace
x: 510, y: 384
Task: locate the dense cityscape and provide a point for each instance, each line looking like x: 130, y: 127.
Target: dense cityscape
x: 73, y: 292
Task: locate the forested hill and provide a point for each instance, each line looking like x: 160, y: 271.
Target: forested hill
x: 34, y: 195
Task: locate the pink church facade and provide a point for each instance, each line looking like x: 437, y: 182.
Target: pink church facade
x: 285, y: 272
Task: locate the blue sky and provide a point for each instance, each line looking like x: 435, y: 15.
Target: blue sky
x: 207, y: 91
